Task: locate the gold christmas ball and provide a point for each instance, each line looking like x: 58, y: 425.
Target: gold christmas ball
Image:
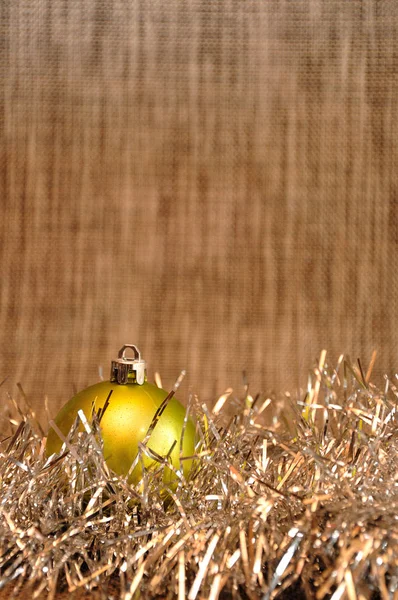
x: 128, y: 405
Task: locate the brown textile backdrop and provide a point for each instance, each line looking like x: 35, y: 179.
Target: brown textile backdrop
x: 213, y: 180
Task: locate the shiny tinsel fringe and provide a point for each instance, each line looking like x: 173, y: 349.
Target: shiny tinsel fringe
x: 306, y: 507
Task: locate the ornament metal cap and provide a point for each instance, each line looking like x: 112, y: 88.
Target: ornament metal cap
x: 128, y: 370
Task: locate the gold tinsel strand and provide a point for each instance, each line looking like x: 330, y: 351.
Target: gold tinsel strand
x: 306, y: 507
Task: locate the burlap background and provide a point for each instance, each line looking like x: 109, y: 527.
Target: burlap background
x: 213, y: 180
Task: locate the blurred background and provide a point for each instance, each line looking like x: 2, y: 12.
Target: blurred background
x: 213, y: 180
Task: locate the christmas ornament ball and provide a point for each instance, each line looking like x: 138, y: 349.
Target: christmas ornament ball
x: 127, y: 405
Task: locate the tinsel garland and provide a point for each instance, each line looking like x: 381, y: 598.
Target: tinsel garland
x: 306, y: 507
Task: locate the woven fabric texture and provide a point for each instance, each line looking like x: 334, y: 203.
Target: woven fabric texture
x: 215, y: 181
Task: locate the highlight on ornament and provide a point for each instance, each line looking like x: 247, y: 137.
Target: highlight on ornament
x: 215, y: 503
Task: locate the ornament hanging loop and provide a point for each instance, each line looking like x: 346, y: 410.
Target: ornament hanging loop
x: 126, y: 370
x: 122, y: 352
